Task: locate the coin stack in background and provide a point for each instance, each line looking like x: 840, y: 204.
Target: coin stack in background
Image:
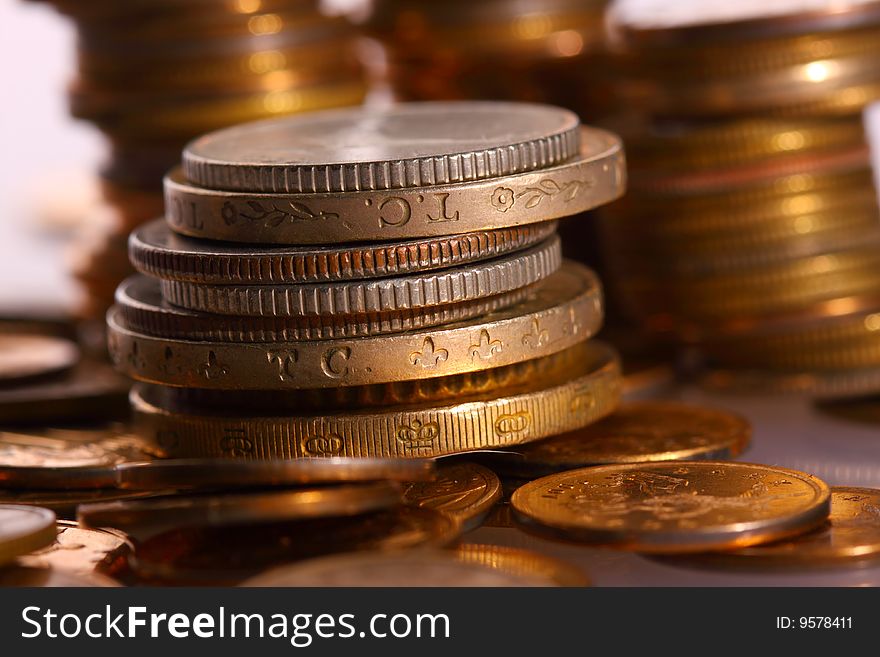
x: 751, y: 230
x: 153, y: 74
x: 418, y: 307
x: 532, y: 50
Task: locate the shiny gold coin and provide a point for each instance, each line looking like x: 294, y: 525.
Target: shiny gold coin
x: 24, y: 529
x: 24, y: 357
x: 850, y: 536
x: 821, y: 384
x: 416, y: 568
x: 594, y: 177
x: 80, y: 551
x: 464, y: 491
x: 219, y: 473
x: 565, y: 309
x: 585, y: 390
x: 522, y: 563
x: 257, y: 507
x: 190, y: 555
x: 636, y: 432
x: 382, y: 295
x: 64, y: 459
x: 688, y: 506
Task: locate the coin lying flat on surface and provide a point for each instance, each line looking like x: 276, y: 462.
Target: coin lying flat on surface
x: 81, y: 551
x: 170, y: 474
x: 428, y: 568
x: 464, y: 491
x: 156, y: 251
x: 67, y: 458
x: 257, y: 507
x: 406, y: 145
x: 24, y: 356
x: 65, y: 502
x: 566, y: 307
x: 228, y: 555
x: 851, y: 535
x: 522, y: 563
x: 24, y: 529
x: 34, y: 577
x: 674, y: 507
x: 382, y: 295
x: 597, y: 175
x: 635, y: 432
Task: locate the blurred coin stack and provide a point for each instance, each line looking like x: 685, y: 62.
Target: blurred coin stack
x: 751, y: 228
x: 389, y: 284
x: 155, y: 73
x: 531, y: 50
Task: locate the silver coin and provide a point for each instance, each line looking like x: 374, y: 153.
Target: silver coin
x: 406, y: 145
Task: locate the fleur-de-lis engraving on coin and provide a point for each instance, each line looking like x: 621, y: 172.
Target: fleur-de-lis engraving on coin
x: 429, y: 356
x: 538, y: 336
x: 418, y: 432
x: 575, y: 325
x: 134, y: 357
x: 486, y: 347
x: 212, y: 369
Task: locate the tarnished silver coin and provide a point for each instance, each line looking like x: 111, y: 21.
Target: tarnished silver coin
x: 405, y: 145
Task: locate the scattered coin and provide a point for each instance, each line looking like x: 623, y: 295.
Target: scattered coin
x: 68, y: 458
x: 189, y: 555
x: 635, y: 432
x: 219, y: 473
x: 256, y: 507
x: 24, y: 529
x: 523, y: 563
x: 851, y: 535
x: 416, y: 568
x: 674, y: 507
x: 66, y: 502
x: 24, y: 357
x: 464, y: 491
x: 81, y: 551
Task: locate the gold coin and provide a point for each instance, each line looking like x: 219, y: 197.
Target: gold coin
x: 141, y: 308
x: 595, y: 177
x: 219, y: 473
x: 677, y: 507
x: 636, y: 432
x: 822, y: 384
x: 64, y: 459
x: 559, y: 312
x: 257, y: 507
x: 416, y: 568
x: 228, y: 555
x: 24, y: 529
x: 65, y: 502
x: 523, y: 563
x: 850, y: 536
x: 156, y: 251
x: 587, y: 389
x: 24, y: 357
x: 81, y: 551
x: 464, y: 491
x: 382, y: 295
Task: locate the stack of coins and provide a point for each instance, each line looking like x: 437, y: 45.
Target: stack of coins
x: 389, y: 283
x: 155, y: 73
x: 751, y: 230
x: 532, y: 50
